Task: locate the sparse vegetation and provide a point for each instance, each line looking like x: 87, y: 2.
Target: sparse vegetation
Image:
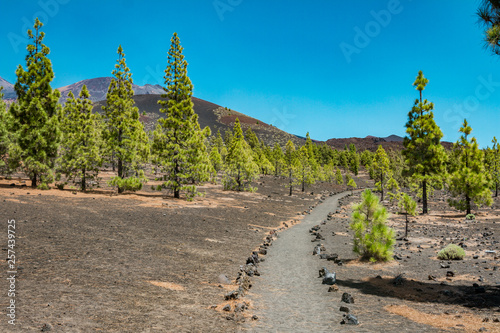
x: 451, y: 252
x: 373, y: 239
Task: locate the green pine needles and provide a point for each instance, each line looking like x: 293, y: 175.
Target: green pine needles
x: 35, y: 116
x: 80, y: 158
x: 126, y: 141
x: 373, y: 239
x: 240, y: 168
x: 469, y: 183
x: 423, y: 151
x: 179, y: 144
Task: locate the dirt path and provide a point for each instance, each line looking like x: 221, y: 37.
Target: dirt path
x: 289, y: 295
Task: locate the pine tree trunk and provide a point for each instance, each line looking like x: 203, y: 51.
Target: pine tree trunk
x: 496, y: 189
x: 177, y: 186
x: 467, y: 204
x: 83, y: 181
x: 382, y: 188
x: 406, y: 227
x: 290, y: 182
x: 120, y: 174
x: 33, y: 181
x: 424, y: 197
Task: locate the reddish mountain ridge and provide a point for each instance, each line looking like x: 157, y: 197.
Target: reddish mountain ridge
x: 371, y: 143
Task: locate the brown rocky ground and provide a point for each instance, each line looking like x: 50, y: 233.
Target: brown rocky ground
x: 143, y: 262
x: 461, y: 295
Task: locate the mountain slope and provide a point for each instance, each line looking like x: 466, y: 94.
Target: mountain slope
x: 98, y: 88
x: 8, y: 89
x: 371, y: 143
x: 209, y: 114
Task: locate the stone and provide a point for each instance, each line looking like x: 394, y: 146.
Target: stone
x: 240, y: 307
x: 333, y: 288
x: 317, y: 250
x: 398, y: 280
x: 444, y: 265
x: 231, y: 295
x: 223, y: 279
x: 263, y: 251
x: 254, y: 317
x: 432, y: 277
x: 347, y: 298
x: 227, y: 308
x: 450, y: 274
x: 349, y: 319
x: 46, y: 328
x: 344, y: 309
x: 329, y: 278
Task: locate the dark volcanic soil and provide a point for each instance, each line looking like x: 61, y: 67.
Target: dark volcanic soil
x: 90, y: 262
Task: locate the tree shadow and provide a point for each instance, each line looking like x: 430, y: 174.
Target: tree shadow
x: 432, y: 291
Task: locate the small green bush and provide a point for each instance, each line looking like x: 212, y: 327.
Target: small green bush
x: 60, y: 186
x: 127, y: 184
x: 451, y: 252
x: 470, y: 217
x: 43, y: 186
x: 373, y: 239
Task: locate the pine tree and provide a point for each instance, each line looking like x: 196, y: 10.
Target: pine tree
x: 382, y: 170
x: 469, y: 183
x: 423, y: 151
x: 393, y: 189
x: 489, y: 15
x: 35, y: 116
x: 307, y: 172
x: 352, y: 184
x: 240, y: 167
x: 278, y: 159
x: 408, y: 206
x: 373, y: 239
x: 252, y: 139
x: 493, y: 159
x: 216, y: 159
x: 354, y: 161
x: 178, y: 140
x: 4, y: 135
x: 126, y: 142
x: 80, y: 147
x: 291, y: 164
x: 338, y: 177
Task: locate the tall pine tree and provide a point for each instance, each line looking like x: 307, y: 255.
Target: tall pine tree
x: 178, y: 138
x: 381, y: 170
x: 469, y: 183
x: 4, y: 134
x: 291, y: 164
x: 35, y: 116
x: 80, y: 158
x: 240, y: 166
x: 124, y: 135
x: 493, y: 163
x: 423, y: 151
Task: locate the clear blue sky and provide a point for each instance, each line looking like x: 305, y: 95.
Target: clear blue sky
x: 300, y: 65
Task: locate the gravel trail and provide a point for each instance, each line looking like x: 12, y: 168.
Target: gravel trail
x: 289, y: 296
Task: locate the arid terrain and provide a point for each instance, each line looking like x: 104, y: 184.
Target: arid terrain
x: 144, y: 262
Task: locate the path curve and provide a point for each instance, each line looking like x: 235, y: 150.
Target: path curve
x: 289, y: 296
